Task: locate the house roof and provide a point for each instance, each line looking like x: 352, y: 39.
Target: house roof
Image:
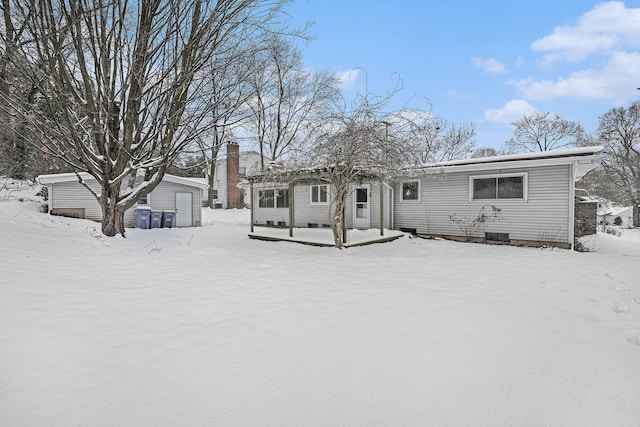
x: 583, y: 158
x: 570, y: 152
x: 68, y: 177
x: 616, y: 210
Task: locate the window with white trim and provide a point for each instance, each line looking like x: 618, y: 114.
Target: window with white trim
x: 282, y: 198
x: 144, y: 201
x: 498, y: 187
x: 320, y: 194
x: 215, y: 194
x: 266, y: 199
x: 273, y: 198
x: 410, y: 191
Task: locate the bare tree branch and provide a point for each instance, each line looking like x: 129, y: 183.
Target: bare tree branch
x: 123, y: 81
x: 543, y: 132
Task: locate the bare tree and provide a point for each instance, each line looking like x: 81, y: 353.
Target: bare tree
x: 288, y: 99
x: 432, y: 137
x: 229, y: 88
x: 619, y: 132
x: 439, y: 142
x: 358, y: 143
x: 544, y: 132
x: 484, y: 152
x: 123, y: 82
x: 13, y: 147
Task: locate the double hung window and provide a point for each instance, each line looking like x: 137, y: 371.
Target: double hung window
x: 320, y: 194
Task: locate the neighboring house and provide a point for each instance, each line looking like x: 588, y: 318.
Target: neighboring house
x: 68, y: 197
x: 230, y: 190
x: 533, y: 195
x: 608, y: 214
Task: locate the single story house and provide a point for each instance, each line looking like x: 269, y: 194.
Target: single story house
x: 68, y: 197
x: 521, y: 199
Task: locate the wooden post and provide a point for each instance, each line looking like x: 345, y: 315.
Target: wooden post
x: 252, y: 203
x: 381, y: 208
x: 292, y: 213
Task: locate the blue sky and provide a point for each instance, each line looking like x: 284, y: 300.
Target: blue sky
x: 483, y: 62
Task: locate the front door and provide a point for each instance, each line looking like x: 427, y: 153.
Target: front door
x: 184, y: 214
x: 361, y: 206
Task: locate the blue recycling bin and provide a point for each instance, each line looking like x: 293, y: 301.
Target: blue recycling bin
x: 156, y: 219
x: 168, y: 219
x: 143, y: 217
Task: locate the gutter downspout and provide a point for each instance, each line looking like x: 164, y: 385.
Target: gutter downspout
x: 572, y: 204
x: 391, y: 206
x: 292, y: 210
x: 253, y: 202
x: 382, y: 207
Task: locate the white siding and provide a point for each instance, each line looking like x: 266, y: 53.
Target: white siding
x: 249, y: 163
x: 73, y: 195
x: 544, y: 216
x: 307, y: 213
x: 163, y: 197
x: 262, y: 215
x: 374, y: 206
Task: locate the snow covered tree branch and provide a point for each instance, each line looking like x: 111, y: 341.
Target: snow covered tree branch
x: 122, y: 84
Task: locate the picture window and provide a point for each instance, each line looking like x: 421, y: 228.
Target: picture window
x: 273, y: 198
x: 499, y: 187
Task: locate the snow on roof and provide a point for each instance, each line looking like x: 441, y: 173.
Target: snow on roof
x: 583, y: 158
x: 571, y: 152
x: 615, y: 210
x: 68, y: 177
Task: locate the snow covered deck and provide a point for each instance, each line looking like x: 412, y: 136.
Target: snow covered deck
x: 323, y: 236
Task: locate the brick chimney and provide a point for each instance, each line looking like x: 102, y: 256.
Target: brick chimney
x: 235, y: 196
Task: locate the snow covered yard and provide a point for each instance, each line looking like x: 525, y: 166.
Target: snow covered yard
x: 204, y: 326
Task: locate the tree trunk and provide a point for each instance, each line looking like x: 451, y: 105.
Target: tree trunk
x: 337, y: 225
x: 112, y: 213
x: 636, y: 214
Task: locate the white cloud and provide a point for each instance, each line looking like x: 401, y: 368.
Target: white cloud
x: 348, y: 78
x: 512, y: 110
x: 489, y: 65
x: 606, y: 27
x: 616, y: 81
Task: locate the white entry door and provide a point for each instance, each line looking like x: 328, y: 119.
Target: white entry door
x: 361, y: 199
x: 184, y: 214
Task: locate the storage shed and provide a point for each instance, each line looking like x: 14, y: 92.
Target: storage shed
x: 68, y: 197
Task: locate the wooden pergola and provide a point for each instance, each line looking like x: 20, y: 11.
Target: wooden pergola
x: 308, y: 177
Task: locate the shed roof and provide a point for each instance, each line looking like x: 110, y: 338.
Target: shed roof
x: 68, y: 177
